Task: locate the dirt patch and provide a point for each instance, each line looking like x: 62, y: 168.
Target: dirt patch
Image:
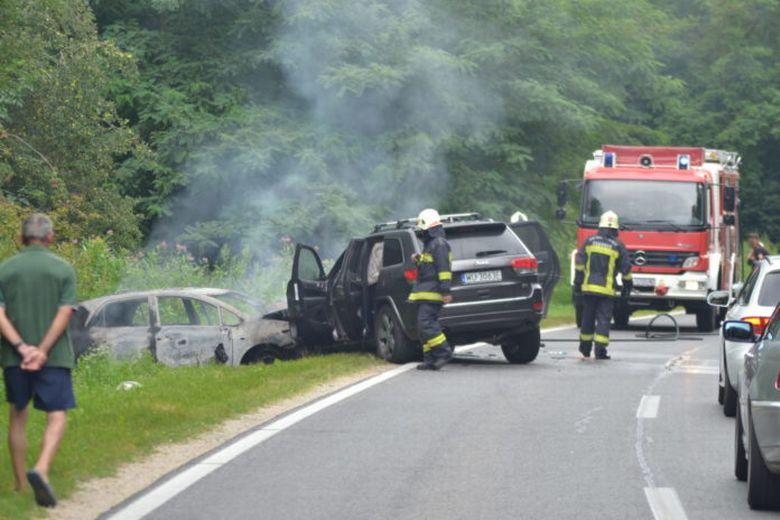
x: 99, y: 495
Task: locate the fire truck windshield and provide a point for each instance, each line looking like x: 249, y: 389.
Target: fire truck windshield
x: 646, y: 204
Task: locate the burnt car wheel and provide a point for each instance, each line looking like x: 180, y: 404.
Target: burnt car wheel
x: 523, y: 348
x: 763, y: 485
x: 391, y: 341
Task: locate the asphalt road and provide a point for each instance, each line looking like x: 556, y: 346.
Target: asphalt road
x: 640, y: 436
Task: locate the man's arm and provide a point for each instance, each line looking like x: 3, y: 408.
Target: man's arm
x: 14, y: 338
x: 579, y: 268
x: 441, y: 258
x: 56, y: 329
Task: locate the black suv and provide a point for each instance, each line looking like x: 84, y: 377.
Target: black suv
x: 499, y: 289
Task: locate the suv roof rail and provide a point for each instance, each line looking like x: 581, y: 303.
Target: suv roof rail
x: 411, y: 222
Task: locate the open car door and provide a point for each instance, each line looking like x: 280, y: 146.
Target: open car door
x: 533, y: 236
x: 307, y: 299
x: 348, y: 293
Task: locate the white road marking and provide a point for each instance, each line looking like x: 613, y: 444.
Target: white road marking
x: 159, y: 495
x: 696, y: 369
x: 648, y: 407
x: 665, y: 504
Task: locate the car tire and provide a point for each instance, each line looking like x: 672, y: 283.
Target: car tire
x: 730, y: 396
x: 763, y: 485
x: 740, y: 456
x: 523, y: 348
x: 392, y: 344
x: 706, y: 319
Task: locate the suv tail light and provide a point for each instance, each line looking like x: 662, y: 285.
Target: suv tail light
x: 411, y: 274
x: 526, y: 264
x: 759, y: 323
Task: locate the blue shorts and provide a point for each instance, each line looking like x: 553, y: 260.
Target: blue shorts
x: 50, y: 388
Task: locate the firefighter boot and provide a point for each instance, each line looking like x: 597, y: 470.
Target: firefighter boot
x: 442, y: 355
x: 601, y: 352
x: 428, y: 361
x: 585, y: 347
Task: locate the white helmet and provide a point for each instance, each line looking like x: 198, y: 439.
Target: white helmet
x: 428, y: 218
x: 609, y: 220
x: 518, y: 216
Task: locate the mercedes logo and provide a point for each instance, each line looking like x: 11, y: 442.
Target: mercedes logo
x: 640, y: 258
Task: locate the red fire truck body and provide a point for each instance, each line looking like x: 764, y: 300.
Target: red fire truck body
x: 678, y: 214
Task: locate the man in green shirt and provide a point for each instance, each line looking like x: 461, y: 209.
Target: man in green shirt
x: 37, y: 298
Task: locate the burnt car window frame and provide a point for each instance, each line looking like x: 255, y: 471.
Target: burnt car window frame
x: 97, y: 319
x: 386, y: 241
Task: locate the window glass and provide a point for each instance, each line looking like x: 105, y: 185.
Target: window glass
x: 643, y: 203
x: 132, y: 313
x: 770, y: 290
x: 469, y: 242
x: 773, y: 329
x: 393, y: 253
x: 747, y: 290
x: 229, y: 319
x: 308, y: 265
x: 172, y: 311
x: 354, y: 258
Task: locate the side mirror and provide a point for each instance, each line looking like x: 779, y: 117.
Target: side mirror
x: 739, y: 332
x: 729, y: 198
x: 719, y: 298
x: 729, y: 220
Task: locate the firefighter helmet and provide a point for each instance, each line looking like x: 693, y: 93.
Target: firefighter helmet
x: 428, y: 218
x: 609, y: 220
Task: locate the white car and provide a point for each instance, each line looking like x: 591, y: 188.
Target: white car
x: 754, y: 303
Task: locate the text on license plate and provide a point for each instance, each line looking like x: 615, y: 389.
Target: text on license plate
x: 648, y: 283
x: 481, y: 277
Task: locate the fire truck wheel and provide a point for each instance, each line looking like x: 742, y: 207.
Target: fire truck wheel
x: 706, y: 319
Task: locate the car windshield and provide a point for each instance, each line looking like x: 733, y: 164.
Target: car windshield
x: 770, y: 290
x: 241, y: 302
x: 646, y: 204
x: 484, y: 241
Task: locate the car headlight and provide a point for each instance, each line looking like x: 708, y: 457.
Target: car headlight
x: 691, y: 261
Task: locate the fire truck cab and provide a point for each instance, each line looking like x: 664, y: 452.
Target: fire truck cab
x: 679, y: 220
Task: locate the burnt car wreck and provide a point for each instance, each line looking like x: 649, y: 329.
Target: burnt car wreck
x: 182, y: 327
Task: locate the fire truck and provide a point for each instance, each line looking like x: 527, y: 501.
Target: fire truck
x: 678, y: 210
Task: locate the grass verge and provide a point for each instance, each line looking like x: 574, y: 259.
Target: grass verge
x: 111, y: 427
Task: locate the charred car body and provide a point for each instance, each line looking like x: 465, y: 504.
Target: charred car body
x: 182, y: 327
x: 498, y: 289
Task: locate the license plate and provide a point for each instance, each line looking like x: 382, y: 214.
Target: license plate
x: 481, y: 277
x: 644, y: 283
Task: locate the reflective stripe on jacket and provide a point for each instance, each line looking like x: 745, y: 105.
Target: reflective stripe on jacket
x: 597, y: 263
x: 434, y: 268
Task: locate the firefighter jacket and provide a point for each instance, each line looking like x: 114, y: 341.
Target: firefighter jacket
x: 597, y: 263
x: 434, y: 268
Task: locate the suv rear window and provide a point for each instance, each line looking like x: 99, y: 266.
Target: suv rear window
x: 484, y: 241
x: 770, y: 290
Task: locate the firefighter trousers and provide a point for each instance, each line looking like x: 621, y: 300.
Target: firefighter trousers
x: 436, y: 348
x: 596, y: 317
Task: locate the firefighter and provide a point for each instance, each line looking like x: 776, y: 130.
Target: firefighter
x: 598, y: 261
x: 432, y: 290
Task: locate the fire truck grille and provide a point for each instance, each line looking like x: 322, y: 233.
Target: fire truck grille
x: 659, y: 258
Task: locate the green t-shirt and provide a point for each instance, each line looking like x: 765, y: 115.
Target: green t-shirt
x: 33, y: 286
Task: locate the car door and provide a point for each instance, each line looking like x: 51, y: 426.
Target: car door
x: 534, y: 237
x: 123, y: 326
x: 307, y: 297
x: 348, y: 291
x: 189, y: 332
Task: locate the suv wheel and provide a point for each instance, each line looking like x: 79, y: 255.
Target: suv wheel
x: 391, y: 341
x: 524, y: 348
x: 763, y: 485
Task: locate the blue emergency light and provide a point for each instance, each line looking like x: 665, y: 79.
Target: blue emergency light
x: 609, y: 159
x: 683, y: 161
